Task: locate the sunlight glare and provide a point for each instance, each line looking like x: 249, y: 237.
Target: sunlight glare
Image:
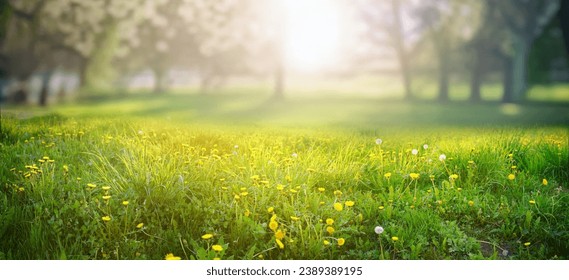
x: 312, y: 34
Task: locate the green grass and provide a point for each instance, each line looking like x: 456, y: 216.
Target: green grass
x: 246, y: 170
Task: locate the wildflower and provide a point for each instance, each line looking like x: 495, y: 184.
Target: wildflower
x: 432, y: 177
x: 106, y: 188
x: 279, y: 243
x: 378, y: 229
x: 544, y: 182
x: 349, y: 203
x: 207, y: 236
x: 532, y: 201
x: 341, y: 241
x: 322, y: 203
x: 140, y: 225
x: 294, y: 218
x: 106, y: 197
x: 337, y: 192
x: 21, y: 189
x: 270, y: 209
x: 255, y: 177
x: 125, y: 203
x: 514, y: 167
x: 394, y: 238
x: 414, y: 152
x: 273, y: 225
x: 387, y: 175
x: 330, y: 230
x: 326, y: 242
x: 470, y: 203
x: 244, y: 193
x: 511, y: 176
x: 329, y: 221
x: 106, y: 218
x: 217, y: 248
x: 378, y: 141
x: 89, y: 185
x: 321, y: 189
x: 470, y: 162
x: 279, y: 234
x: 247, y: 213
x: 425, y: 146
x: 453, y: 176
x: 294, y: 155
x: 527, y: 244
x: 338, y: 206
x: 381, y: 207
x: 280, y: 187
x: 171, y: 257
x: 236, y: 197
x: 414, y: 176
x: 65, y: 168
x: 442, y: 157
x: 216, y: 259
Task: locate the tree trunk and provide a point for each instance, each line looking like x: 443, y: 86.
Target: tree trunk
x: 476, y: 76
x: 402, y: 55
x: 519, y: 68
x: 159, y: 80
x: 508, y: 95
x: 44, y: 92
x: 279, y: 81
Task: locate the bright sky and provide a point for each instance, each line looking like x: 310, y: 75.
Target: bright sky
x: 313, y: 34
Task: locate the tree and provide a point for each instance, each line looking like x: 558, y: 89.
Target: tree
x: 524, y: 21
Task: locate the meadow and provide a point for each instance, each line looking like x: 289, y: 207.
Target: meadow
x: 238, y: 176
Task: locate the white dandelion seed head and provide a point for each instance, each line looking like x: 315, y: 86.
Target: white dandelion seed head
x: 236, y: 147
x: 425, y: 146
x: 378, y: 141
x: 414, y: 151
x: 140, y: 132
x: 378, y: 229
x: 294, y: 155
x: 442, y: 157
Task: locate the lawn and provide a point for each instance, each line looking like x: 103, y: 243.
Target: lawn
x: 238, y: 176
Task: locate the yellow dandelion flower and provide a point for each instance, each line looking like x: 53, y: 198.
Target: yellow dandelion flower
x: 293, y: 191
x: 21, y: 189
x: 544, y: 182
x: 514, y: 167
x: 511, y: 177
x: 217, y: 248
x: 171, y: 257
x: 381, y: 207
x: 247, y: 213
x: 394, y: 238
x: 387, y: 175
x: 432, y: 177
x: 527, y: 244
x: 125, y: 203
x: 274, y: 217
x: 106, y: 188
x: 330, y: 230
x: 106, y: 218
x: 453, y: 176
x: 65, y: 168
x: 236, y: 197
x: 140, y: 225
x: 349, y: 203
x: 329, y: 221
x: 294, y: 218
x: 279, y: 243
x: 341, y: 241
x: 255, y: 177
x: 207, y: 236
x: 338, y: 192
x: 244, y: 193
x: 88, y: 185
x: 326, y: 242
x: 470, y: 203
x: 271, y: 209
x: 321, y: 189
x: 322, y: 203
x: 414, y: 176
x: 279, y: 234
x: 280, y: 187
x: 216, y: 259
x: 532, y: 201
x: 338, y: 206
x: 106, y: 197
x: 273, y: 225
